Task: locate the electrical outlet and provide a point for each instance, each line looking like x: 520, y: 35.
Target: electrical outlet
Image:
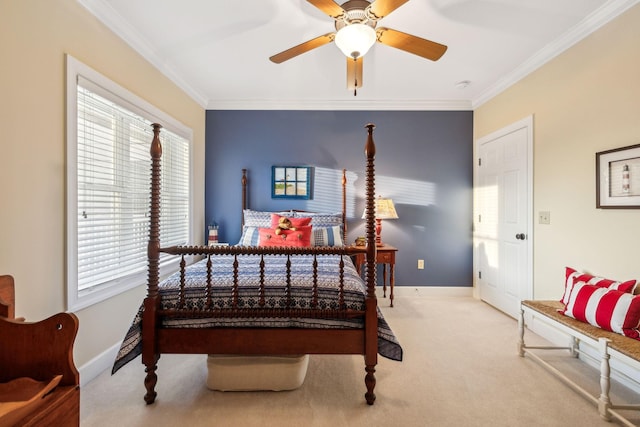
x: 420, y: 264
x: 544, y: 217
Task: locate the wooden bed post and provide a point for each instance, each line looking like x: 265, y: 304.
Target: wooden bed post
x: 244, y: 199
x: 344, y: 206
x: 371, y: 303
x: 150, y: 354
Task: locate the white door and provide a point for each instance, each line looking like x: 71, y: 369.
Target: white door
x: 502, y: 224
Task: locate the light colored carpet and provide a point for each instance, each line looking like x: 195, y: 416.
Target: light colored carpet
x: 460, y: 368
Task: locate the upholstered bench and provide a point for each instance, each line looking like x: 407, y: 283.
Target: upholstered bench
x: 610, y: 345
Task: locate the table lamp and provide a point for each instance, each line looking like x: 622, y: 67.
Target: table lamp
x: 384, y: 209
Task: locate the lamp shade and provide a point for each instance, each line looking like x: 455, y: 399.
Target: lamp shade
x: 355, y: 40
x: 384, y: 208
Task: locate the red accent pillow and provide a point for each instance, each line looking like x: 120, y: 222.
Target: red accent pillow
x: 612, y: 310
x: 572, y: 277
x: 295, y: 222
x: 301, y: 237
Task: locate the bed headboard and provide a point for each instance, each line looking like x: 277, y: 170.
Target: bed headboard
x: 245, y: 201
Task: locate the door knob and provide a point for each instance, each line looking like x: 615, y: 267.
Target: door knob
x: 520, y: 236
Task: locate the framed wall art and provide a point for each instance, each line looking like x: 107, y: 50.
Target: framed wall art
x: 618, y: 178
x: 291, y: 182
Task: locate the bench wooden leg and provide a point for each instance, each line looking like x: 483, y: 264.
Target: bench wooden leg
x: 521, y: 333
x: 575, y: 347
x: 604, y: 402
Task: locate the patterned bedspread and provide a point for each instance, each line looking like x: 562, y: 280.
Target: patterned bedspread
x: 275, y: 297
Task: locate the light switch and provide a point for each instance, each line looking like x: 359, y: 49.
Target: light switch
x: 544, y: 217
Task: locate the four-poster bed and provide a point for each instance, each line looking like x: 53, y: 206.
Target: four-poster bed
x: 260, y: 300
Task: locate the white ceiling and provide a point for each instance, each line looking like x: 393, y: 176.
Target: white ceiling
x: 218, y: 50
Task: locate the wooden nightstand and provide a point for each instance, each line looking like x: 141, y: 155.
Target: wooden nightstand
x: 385, y: 254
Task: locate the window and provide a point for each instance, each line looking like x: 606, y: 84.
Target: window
x: 108, y: 177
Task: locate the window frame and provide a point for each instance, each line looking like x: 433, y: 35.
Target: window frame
x: 76, y: 299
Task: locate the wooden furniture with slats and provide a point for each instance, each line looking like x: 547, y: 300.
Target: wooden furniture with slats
x: 40, y: 351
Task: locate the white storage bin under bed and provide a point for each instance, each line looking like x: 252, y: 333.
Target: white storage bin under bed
x: 253, y: 373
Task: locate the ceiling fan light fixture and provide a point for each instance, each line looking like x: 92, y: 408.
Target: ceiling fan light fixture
x: 355, y: 40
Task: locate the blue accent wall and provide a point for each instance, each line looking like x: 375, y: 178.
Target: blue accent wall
x: 424, y: 162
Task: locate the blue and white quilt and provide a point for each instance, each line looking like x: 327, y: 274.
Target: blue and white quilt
x: 275, y: 297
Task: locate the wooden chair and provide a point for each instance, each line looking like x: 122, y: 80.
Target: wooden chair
x: 32, y: 357
x: 7, y: 297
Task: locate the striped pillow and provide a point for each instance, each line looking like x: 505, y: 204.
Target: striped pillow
x: 250, y: 236
x: 612, y: 310
x: 327, y: 236
x: 572, y: 277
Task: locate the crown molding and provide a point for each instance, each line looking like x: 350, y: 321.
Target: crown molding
x: 106, y: 14
x: 600, y: 17
x: 337, y: 105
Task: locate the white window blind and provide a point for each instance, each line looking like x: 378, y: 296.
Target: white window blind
x: 112, y: 182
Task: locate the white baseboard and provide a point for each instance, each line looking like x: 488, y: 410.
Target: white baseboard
x: 428, y: 291
x: 98, y: 365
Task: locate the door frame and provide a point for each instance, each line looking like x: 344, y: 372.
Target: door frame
x: 527, y: 124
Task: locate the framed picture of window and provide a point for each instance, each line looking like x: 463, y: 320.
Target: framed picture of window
x: 618, y: 178
x: 291, y: 182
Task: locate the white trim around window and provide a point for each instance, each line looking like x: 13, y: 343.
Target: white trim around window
x: 108, y: 173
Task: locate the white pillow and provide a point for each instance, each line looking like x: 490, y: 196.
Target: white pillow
x: 260, y: 218
x: 322, y: 219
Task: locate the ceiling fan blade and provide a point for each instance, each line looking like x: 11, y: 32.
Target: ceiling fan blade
x: 329, y: 7
x: 302, y: 48
x: 354, y: 74
x: 412, y: 44
x: 381, y: 8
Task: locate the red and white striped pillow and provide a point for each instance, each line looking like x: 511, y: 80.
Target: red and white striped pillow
x: 612, y: 310
x: 572, y: 277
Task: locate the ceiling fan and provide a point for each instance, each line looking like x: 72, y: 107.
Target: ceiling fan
x: 356, y: 32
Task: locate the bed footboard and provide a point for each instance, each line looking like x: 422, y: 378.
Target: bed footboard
x: 289, y: 306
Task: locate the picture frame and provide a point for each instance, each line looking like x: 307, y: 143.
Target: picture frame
x: 618, y: 178
x: 291, y: 182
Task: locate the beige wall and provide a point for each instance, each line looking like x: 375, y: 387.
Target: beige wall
x: 35, y: 35
x: 584, y: 101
